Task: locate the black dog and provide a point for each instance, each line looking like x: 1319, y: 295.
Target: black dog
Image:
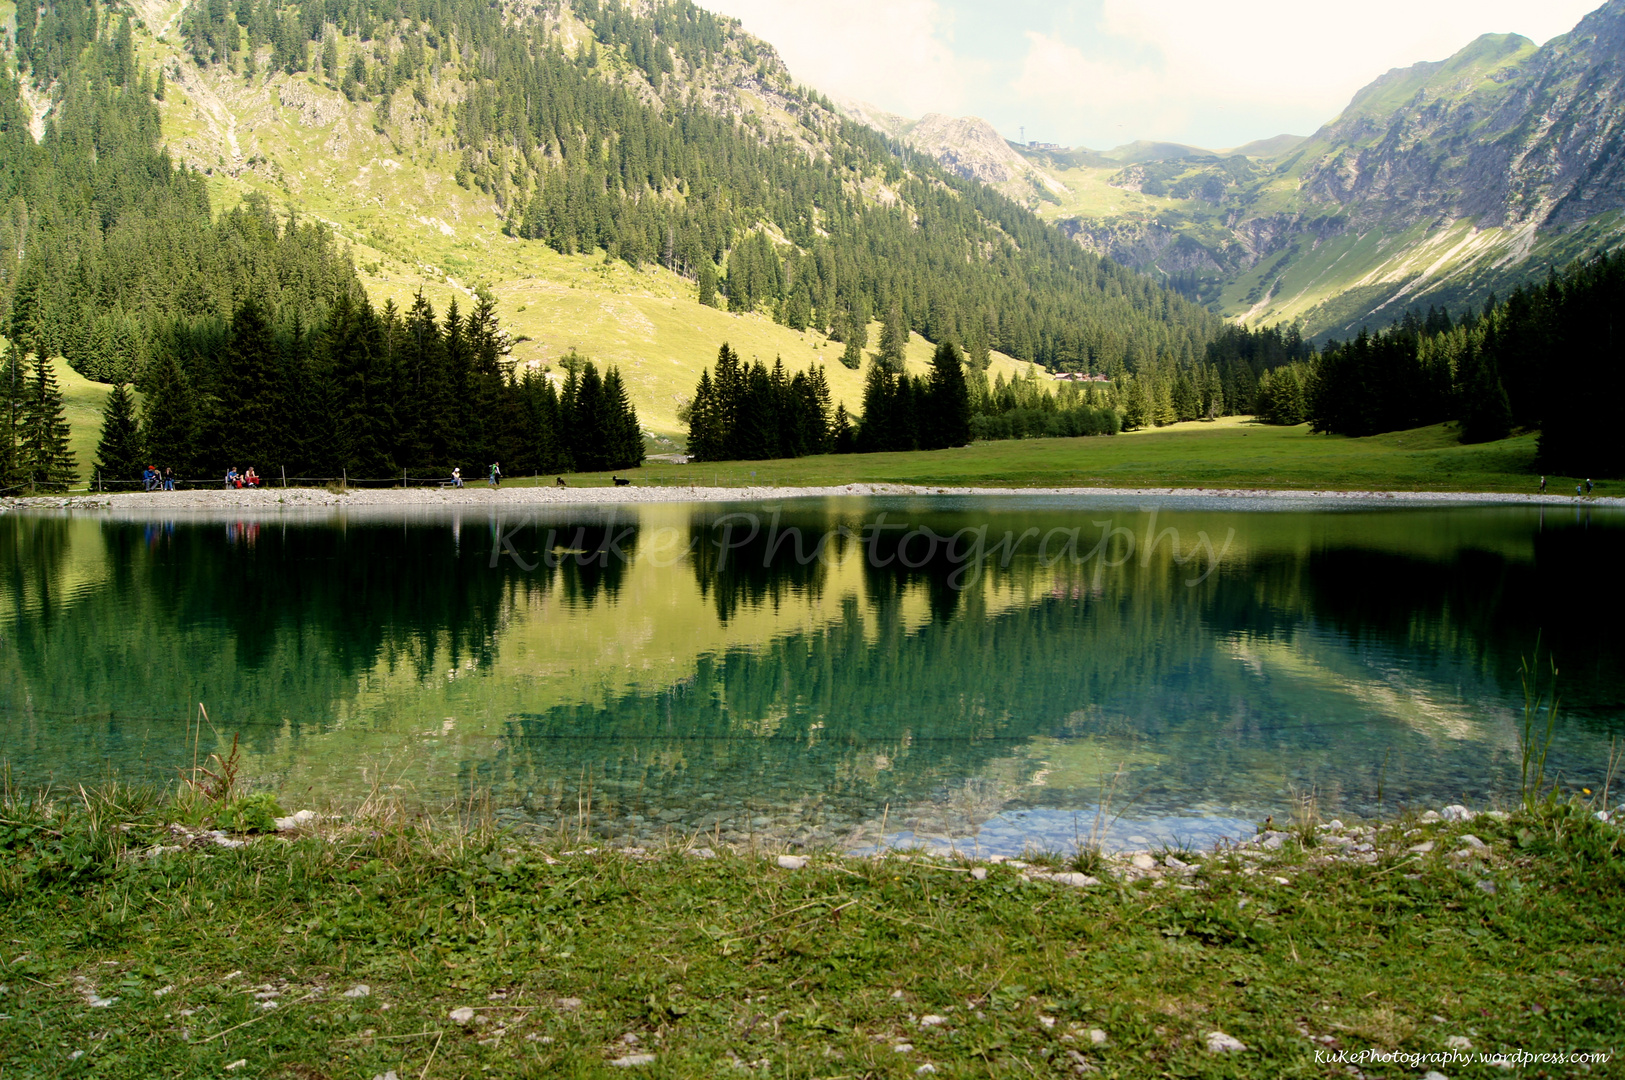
x: 621, y: 481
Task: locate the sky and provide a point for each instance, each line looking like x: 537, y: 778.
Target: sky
x: 1100, y: 73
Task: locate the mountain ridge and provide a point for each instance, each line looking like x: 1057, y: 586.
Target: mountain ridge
x: 1441, y: 182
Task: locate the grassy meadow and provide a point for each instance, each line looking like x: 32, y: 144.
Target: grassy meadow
x: 1231, y: 453
x: 421, y: 947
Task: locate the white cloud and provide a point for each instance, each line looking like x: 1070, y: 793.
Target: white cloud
x: 1094, y: 92
x: 1260, y: 55
x: 894, y: 53
x: 1098, y: 72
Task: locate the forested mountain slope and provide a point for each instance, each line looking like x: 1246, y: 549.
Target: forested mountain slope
x: 617, y: 176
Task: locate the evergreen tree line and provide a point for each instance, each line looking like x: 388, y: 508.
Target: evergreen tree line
x: 580, y: 156
x: 107, y: 249
x: 1241, y: 357
x: 1547, y: 357
x: 369, y: 394
x: 748, y: 412
x: 906, y: 412
x: 34, y: 454
x: 745, y: 412
x: 1032, y: 407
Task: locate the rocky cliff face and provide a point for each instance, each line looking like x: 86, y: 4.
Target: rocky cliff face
x: 1442, y: 182
x: 1504, y: 133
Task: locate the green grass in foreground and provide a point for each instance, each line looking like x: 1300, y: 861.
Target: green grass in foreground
x: 122, y: 965
x: 1220, y: 455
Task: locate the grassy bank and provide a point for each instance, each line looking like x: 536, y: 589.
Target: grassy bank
x: 136, y: 945
x: 1227, y: 454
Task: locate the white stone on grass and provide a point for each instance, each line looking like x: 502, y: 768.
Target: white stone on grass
x: 1075, y: 880
x: 979, y: 873
x: 359, y: 990
x: 932, y: 1020
x: 925, y: 1070
x: 1097, y: 1036
x: 631, y: 1060
x: 792, y: 862
x: 296, y: 820
x: 1459, y: 1042
x: 463, y: 1015
x: 903, y: 1048
x: 1220, y: 1043
x: 1456, y: 812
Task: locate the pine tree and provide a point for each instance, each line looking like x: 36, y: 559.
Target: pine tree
x: 118, y: 455
x: 705, y: 442
x: 590, y: 433
x: 13, y: 395
x: 47, y: 461
x: 893, y: 340
x: 249, y: 412
x: 170, y: 418
x: 708, y: 284
x: 626, y: 435
x: 946, y: 419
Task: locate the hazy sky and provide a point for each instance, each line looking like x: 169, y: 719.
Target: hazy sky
x: 1099, y: 73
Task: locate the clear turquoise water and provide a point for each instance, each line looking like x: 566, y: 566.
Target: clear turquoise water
x: 1145, y: 673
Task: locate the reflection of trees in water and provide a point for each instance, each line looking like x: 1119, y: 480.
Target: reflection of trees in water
x: 871, y: 706
x: 1150, y: 658
x: 280, y: 628
x: 742, y: 560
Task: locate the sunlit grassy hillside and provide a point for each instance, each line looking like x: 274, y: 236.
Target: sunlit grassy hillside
x: 388, y: 187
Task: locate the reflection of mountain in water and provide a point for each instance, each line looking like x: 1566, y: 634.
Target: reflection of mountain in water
x: 802, y: 677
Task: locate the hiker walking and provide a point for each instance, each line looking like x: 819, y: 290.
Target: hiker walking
x: 496, y: 474
x: 1543, y: 485
x: 1588, y: 485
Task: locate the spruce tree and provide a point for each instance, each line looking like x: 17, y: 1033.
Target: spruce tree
x: 705, y: 441
x: 621, y: 420
x: 946, y: 419
x: 118, y: 454
x: 893, y: 340
x: 249, y: 413
x: 170, y: 418
x: 708, y: 284
x: 48, y: 463
x: 13, y: 395
x: 590, y: 432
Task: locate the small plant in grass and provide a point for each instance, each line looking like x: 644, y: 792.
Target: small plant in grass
x: 255, y: 813
x: 1052, y: 860
x: 1539, y: 727
x: 1088, y: 859
x: 1305, y: 816
x: 1180, y: 849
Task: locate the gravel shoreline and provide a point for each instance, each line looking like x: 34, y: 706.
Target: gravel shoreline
x: 141, y: 503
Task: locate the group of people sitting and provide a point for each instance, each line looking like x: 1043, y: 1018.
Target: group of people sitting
x: 235, y: 479
x: 153, y: 480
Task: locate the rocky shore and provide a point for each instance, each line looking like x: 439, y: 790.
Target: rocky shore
x: 273, y: 500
